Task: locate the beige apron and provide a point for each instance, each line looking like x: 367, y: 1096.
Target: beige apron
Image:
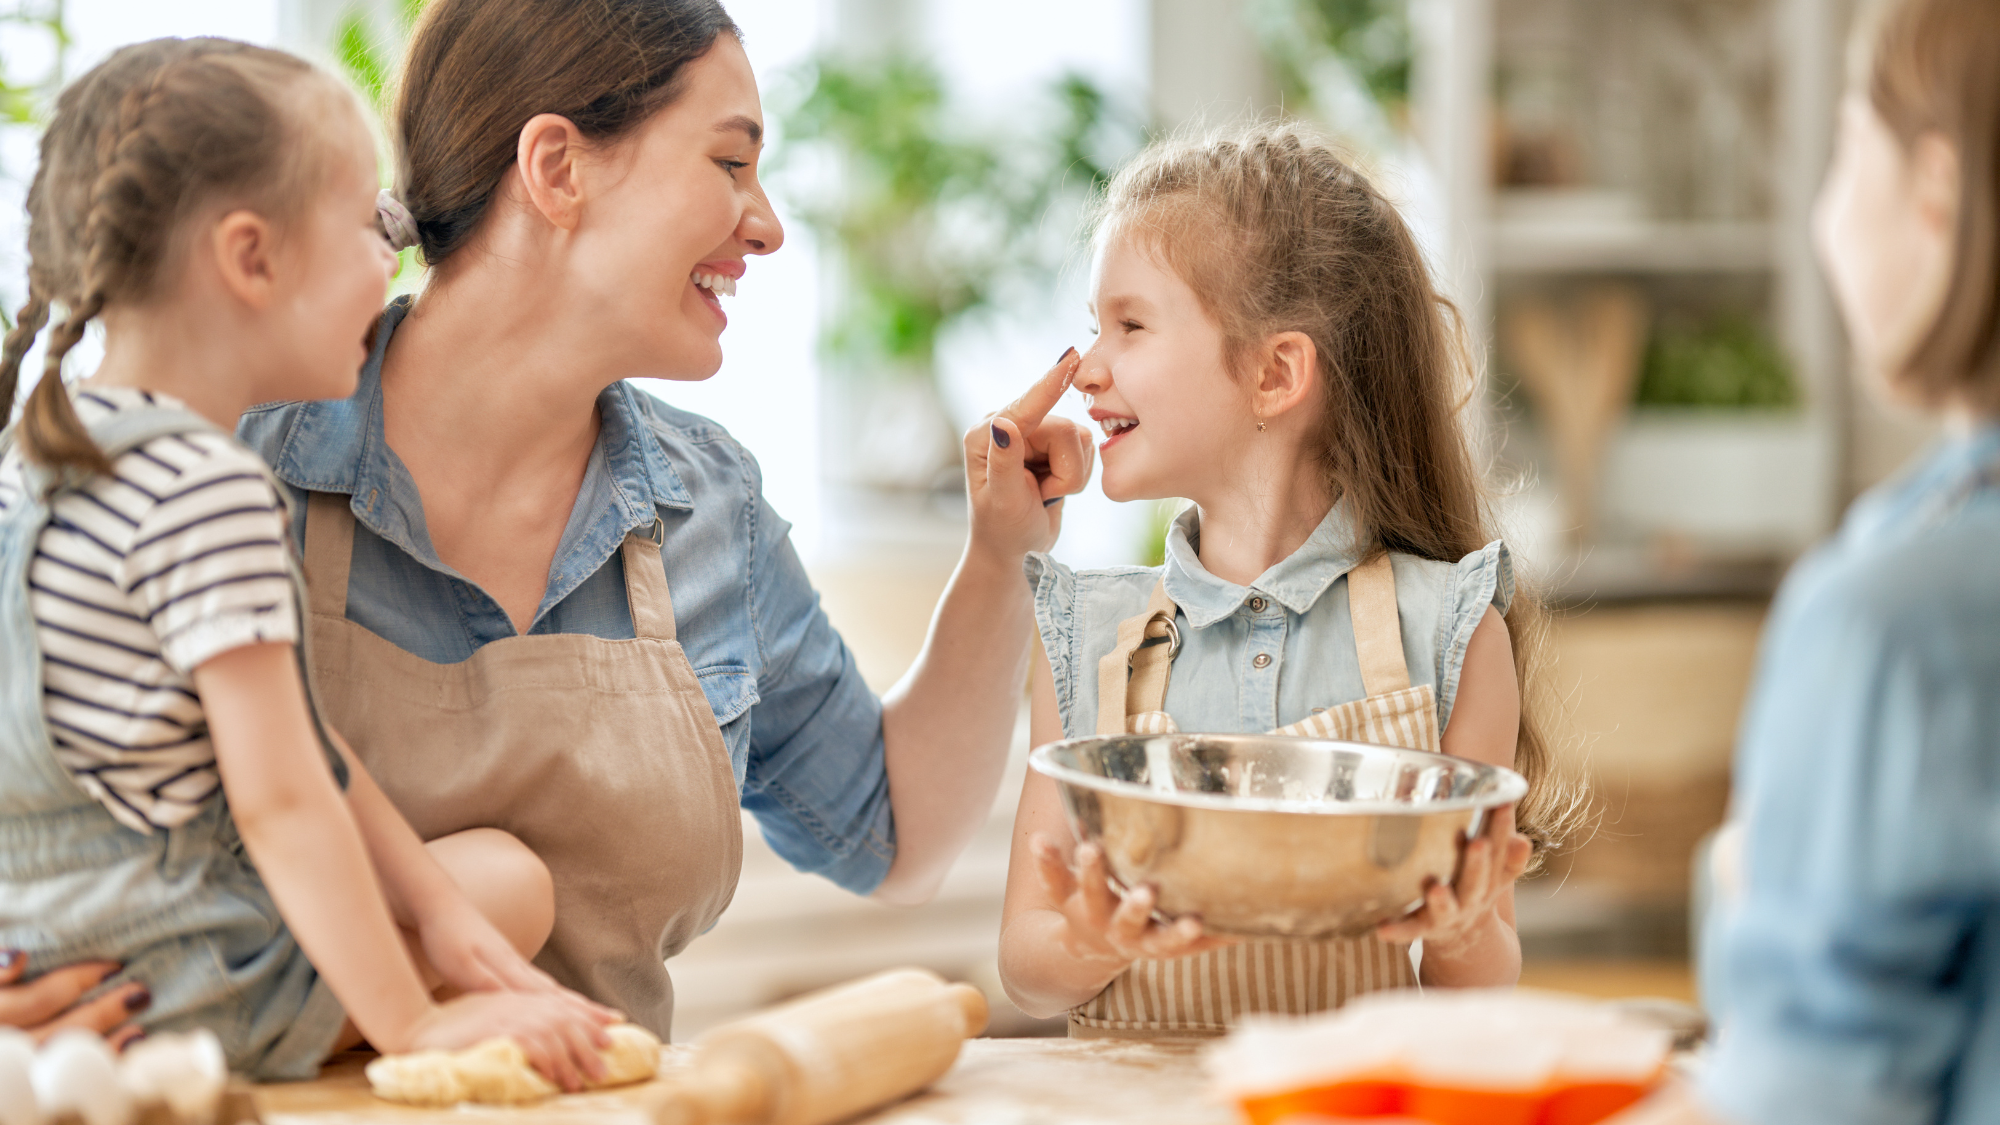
x: 1204, y: 994
x: 601, y: 755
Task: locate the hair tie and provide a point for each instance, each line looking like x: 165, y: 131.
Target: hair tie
x: 398, y: 225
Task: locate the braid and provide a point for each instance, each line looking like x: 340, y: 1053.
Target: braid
x: 27, y: 324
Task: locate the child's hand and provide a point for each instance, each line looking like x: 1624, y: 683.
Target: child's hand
x: 471, y: 955
x: 1101, y: 928
x: 1453, y: 914
x: 1020, y: 463
x: 559, y: 1039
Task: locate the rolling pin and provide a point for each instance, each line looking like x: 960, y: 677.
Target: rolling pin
x: 827, y: 1055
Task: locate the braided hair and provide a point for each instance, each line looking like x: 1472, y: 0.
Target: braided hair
x: 137, y: 145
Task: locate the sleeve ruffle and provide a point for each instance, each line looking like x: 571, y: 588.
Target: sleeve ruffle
x: 1484, y: 577
x: 1055, y: 600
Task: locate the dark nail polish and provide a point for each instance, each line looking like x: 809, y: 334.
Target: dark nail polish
x: 9, y: 957
x: 1068, y: 352
x: 1000, y: 438
x: 139, y: 1001
x: 1052, y: 501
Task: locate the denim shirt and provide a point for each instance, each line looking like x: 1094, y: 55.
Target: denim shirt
x: 804, y: 732
x: 1859, y: 971
x: 1294, y: 613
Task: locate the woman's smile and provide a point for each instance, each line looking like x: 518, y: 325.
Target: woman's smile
x: 714, y: 280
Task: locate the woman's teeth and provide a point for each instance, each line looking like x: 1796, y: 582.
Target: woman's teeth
x: 721, y: 285
x: 1115, y: 426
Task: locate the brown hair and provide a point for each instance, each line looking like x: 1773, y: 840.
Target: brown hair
x: 137, y: 144
x: 477, y: 70
x: 1274, y: 232
x: 1933, y: 67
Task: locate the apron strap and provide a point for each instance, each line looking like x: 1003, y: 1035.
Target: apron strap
x: 1132, y: 677
x: 329, y: 551
x: 1378, y: 634
x: 646, y: 584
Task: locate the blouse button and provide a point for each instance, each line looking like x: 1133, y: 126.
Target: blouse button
x: 1257, y: 606
x: 1263, y: 660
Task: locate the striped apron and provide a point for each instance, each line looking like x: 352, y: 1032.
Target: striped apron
x: 1202, y: 995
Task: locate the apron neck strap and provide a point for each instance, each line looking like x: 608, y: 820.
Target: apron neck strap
x: 1378, y: 633
x: 328, y: 552
x: 1132, y: 677
x: 646, y: 584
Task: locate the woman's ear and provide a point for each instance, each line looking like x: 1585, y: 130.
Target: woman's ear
x: 243, y: 244
x: 548, y: 158
x: 1287, y: 373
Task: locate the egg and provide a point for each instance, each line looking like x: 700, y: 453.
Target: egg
x: 17, y: 1090
x: 186, y: 1073
x: 76, y: 1073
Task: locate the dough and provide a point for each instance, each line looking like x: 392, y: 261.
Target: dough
x: 496, y: 1072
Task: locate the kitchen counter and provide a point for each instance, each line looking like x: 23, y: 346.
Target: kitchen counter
x: 995, y: 1082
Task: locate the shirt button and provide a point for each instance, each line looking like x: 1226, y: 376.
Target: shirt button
x: 1257, y: 605
x: 1263, y: 660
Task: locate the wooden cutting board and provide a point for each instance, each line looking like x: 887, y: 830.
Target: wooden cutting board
x: 1011, y: 1081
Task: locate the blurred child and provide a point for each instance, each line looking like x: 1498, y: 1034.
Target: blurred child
x: 169, y: 800
x: 1271, y: 347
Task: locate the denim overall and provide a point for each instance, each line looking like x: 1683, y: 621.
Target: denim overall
x: 182, y: 909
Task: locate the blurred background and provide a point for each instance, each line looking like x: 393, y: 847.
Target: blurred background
x: 1616, y: 192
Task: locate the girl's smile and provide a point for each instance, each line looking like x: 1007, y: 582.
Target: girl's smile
x: 1115, y: 426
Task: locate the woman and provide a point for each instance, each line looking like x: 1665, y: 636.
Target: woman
x: 545, y: 602
x: 1859, y: 971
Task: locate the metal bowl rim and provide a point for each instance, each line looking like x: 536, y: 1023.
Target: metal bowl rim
x: 1509, y: 787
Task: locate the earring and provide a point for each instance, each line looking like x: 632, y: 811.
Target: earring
x: 1260, y: 425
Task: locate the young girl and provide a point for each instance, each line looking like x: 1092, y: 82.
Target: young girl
x: 1270, y: 347
x: 168, y: 800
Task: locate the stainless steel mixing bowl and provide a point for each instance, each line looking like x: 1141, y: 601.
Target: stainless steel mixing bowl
x: 1271, y: 836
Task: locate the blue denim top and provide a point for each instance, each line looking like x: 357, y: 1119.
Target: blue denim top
x: 1295, y: 613
x: 1859, y: 974
x: 804, y: 732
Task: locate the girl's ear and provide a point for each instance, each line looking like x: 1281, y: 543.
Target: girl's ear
x: 1934, y: 183
x: 547, y: 158
x: 244, y: 244
x: 1287, y: 373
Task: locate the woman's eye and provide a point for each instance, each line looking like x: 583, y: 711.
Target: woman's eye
x: 731, y: 166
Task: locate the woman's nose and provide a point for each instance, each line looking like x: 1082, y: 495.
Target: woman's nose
x: 760, y: 229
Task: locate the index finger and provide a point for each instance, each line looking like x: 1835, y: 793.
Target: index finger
x: 1034, y: 405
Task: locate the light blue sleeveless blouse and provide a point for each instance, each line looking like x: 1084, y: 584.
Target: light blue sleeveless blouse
x: 1258, y: 657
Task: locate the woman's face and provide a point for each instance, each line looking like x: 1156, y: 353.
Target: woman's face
x: 1159, y: 388
x: 668, y: 236
x: 1884, y: 224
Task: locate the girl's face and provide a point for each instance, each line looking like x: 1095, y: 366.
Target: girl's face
x: 343, y: 267
x: 682, y: 210
x: 1160, y: 391
x: 1884, y: 226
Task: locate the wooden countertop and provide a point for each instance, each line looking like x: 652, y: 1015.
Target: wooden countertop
x: 1054, y: 1081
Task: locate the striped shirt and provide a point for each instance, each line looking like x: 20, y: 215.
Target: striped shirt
x: 138, y: 579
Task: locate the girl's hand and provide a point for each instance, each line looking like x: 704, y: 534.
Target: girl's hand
x: 1452, y: 915
x: 471, y: 955
x: 1020, y: 463
x: 560, y: 1040
x: 48, y: 1004
x: 1100, y: 928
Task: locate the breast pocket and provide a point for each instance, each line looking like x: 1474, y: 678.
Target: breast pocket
x: 731, y: 692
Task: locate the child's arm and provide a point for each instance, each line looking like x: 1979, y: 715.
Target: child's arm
x: 1468, y: 929
x: 300, y: 833
x: 1064, y: 934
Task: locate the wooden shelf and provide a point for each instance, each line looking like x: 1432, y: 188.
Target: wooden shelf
x: 1539, y: 246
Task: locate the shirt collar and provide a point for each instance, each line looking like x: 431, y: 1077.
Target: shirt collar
x: 1295, y: 582
x: 1933, y: 486
x: 337, y: 445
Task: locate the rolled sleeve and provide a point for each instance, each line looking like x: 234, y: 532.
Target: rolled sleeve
x: 1855, y: 970
x: 817, y: 778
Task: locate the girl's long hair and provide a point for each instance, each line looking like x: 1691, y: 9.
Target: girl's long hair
x: 1275, y: 232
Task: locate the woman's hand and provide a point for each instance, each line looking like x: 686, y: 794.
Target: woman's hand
x: 560, y: 1040
x: 1456, y: 915
x: 1020, y: 463
x: 1101, y: 929
x: 48, y: 1003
